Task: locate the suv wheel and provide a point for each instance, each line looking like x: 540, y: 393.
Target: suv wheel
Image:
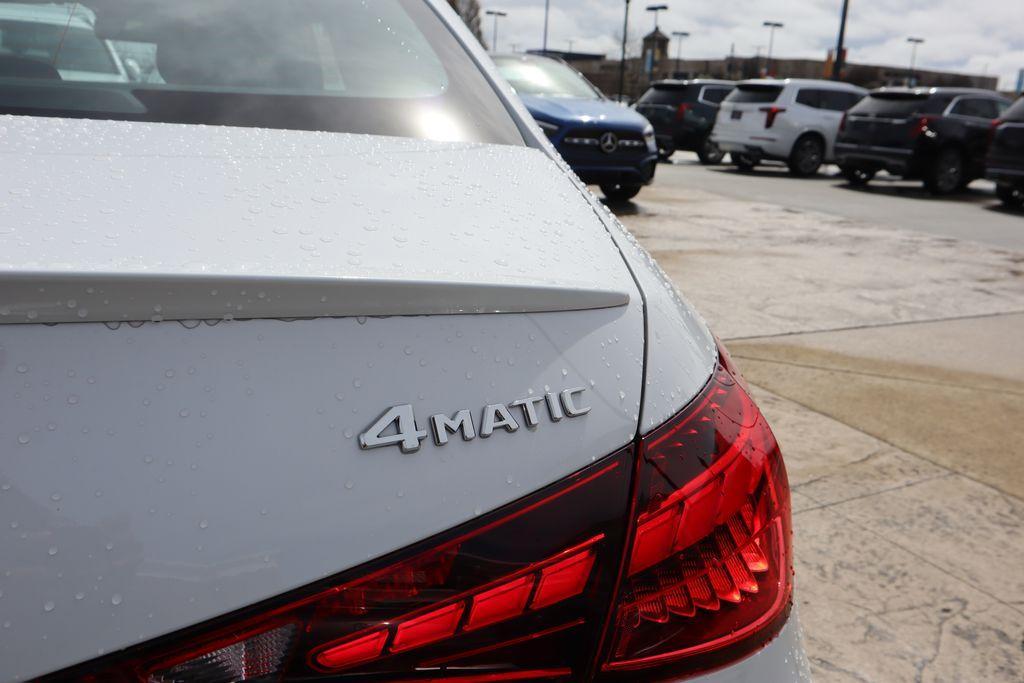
x: 709, y: 153
x: 806, y: 157
x: 946, y: 173
x: 1012, y: 196
x: 666, y: 150
x: 620, y: 192
x: 743, y: 162
x: 857, y: 176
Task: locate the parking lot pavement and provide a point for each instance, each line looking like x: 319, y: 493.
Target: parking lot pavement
x: 888, y: 202
x: 889, y: 363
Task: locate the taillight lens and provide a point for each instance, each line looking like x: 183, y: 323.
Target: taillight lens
x: 993, y: 129
x: 671, y: 556
x: 681, y: 111
x: 709, y: 571
x: 921, y: 125
x: 770, y: 114
x: 842, y: 123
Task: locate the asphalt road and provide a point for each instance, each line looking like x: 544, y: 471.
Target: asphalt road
x: 889, y: 202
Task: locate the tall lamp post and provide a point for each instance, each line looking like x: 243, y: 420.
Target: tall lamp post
x: 914, y: 42
x: 547, y: 9
x: 772, y: 25
x: 622, y: 63
x: 837, y: 64
x: 679, y: 45
x: 495, y: 13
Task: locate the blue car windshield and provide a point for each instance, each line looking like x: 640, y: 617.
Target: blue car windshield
x: 545, y: 77
x: 386, y: 67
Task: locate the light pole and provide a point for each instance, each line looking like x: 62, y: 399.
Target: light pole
x: 914, y: 42
x: 496, y: 13
x: 622, y: 63
x: 656, y: 9
x: 837, y: 65
x: 570, y: 44
x: 772, y: 25
x: 679, y: 45
x: 547, y: 8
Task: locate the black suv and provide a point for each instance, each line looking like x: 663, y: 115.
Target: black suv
x: 683, y: 114
x: 938, y: 135
x: 1005, y: 162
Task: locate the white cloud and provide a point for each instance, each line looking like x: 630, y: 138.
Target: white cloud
x: 973, y: 36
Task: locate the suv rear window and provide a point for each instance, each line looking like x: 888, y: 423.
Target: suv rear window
x: 900, y: 105
x: 664, y: 94
x: 388, y: 67
x: 754, y: 93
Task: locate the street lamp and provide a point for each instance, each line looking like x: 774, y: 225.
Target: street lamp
x: 772, y: 25
x: 622, y: 62
x: 679, y: 45
x: 495, y: 13
x: 914, y: 42
x: 656, y: 9
x: 837, y: 64
x: 547, y: 9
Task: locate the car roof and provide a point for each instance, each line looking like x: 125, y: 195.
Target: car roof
x: 816, y: 82
x: 81, y: 17
x: 684, y: 82
x: 982, y: 92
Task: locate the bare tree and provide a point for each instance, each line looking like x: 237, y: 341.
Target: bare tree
x: 469, y: 10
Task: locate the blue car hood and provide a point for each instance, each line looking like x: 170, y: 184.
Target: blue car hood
x: 565, y: 110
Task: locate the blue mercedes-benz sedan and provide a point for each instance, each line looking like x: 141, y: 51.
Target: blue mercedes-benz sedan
x: 606, y: 143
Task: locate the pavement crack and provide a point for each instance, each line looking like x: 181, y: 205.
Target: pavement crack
x: 902, y: 378
x: 873, y: 326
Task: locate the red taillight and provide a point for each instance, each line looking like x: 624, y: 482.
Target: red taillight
x: 992, y: 129
x: 683, y: 538
x: 921, y: 125
x: 681, y: 111
x: 770, y: 114
x: 708, y: 575
x: 842, y: 123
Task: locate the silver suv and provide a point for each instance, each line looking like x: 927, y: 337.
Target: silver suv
x: 793, y: 120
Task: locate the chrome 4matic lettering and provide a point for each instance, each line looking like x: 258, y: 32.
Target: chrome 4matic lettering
x: 398, y: 426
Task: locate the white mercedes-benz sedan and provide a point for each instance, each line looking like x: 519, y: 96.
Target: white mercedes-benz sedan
x: 317, y: 363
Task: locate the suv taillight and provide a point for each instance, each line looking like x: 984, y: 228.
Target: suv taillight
x: 842, y: 123
x: 922, y: 125
x: 525, y: 592
x: 681, y: 111
x: 770, y: 114
x: 993, y: 129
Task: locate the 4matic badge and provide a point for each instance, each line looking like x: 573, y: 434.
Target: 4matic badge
x: 397, y: 426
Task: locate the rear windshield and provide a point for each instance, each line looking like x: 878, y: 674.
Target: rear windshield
x: 387, y: 67
x: 545, y: 77
x: 754, y: 93
x: 900, y: 104
x: 1015, y: 112
x: 664, y: 94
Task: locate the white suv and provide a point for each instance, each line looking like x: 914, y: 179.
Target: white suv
x: 793, y: 120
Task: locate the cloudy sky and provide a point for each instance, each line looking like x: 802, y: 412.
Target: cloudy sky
x: 976, y: 36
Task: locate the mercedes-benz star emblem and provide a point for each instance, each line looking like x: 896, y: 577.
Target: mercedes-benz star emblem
x: 609, y: 142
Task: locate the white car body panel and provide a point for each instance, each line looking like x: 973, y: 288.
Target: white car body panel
x: 777, y: 142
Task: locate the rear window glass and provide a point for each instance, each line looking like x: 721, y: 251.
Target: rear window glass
x: 1015, y: 112
x: 664, y: 95
x: 714, y: 95
x: 754, y: 93
x: 900, y: 104
x: 388, y: 67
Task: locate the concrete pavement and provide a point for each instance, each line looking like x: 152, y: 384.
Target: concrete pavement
x: 888, y: 202
x: 890, y: 364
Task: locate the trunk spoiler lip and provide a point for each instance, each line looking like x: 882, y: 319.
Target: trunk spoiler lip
x: 46, y: 297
